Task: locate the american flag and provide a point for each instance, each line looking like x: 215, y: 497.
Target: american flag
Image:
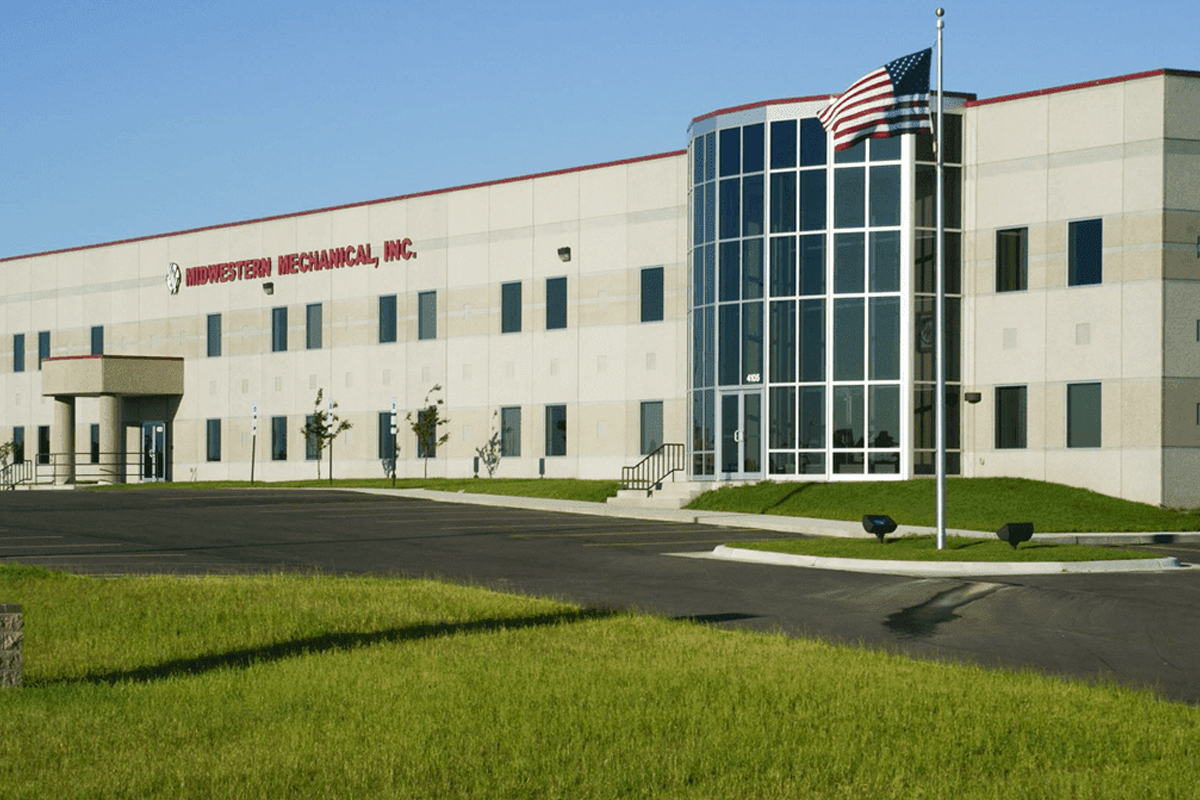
x: 889, y: 101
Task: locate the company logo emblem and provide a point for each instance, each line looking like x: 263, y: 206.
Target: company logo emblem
x: 174, y: 278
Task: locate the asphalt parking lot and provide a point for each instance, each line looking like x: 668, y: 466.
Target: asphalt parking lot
x: 1137, y: 629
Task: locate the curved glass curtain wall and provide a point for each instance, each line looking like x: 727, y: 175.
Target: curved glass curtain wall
x: 801, y: 309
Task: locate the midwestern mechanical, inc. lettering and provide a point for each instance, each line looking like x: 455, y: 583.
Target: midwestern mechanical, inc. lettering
x: 334, y: 258
x: 294, y: 263
x: 250, y: 269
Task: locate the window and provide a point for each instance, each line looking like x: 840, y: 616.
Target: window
x: 427, y: 315
x: 1085, y: 252
x: 387, y: 319
x: 1012, y: 260
x: 279, y: 438
x: 652, y: 426
x: 214, y: 335
x: 43, y: 347
x: 387, y: 437
x: 510, y: 431
x: 311, y: 450
x: 279, y: 325
x: 510, y: 307
x: 213, y: 429
x: 95, y: 437
x: 312, y: 326
x: 18, y: 352
x: 556, y: 430
x: 556, y: 303
x: 97, y: 340
x: 1083, y: 415
x: 426, y: 445
x: 1010, y: 417
x: 18, y: 444
x: 652, y: 294
x: 43, y: 454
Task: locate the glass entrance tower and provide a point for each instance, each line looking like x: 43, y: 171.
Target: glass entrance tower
x: 812, y: 298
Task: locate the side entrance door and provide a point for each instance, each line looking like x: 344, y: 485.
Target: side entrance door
x: 154, y: 451
x: 741, y: 456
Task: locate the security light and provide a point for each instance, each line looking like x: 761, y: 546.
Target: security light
x: 268, y: 288
x: 878, y: 524
x: 564, y: 253
x: 1015, y: 532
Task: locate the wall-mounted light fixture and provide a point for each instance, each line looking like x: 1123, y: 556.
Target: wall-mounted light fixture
x: 1198, y: 247
x: 268, y: 288
x: 565, y: 253
x: 972, y: 397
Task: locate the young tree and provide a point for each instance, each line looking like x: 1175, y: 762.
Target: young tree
x: 321, y: 428
x: 489, y: 454
x: 425, y: 425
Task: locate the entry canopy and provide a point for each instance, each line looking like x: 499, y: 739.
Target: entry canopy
x: 93, y: 376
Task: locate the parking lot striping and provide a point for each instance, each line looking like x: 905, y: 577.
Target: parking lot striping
x: 548, y: 526
x: 84, y: 556
x: 595, y: 533
x: 653, y: 544
x: 64, y: 544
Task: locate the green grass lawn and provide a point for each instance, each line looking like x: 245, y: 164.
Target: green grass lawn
x: 310, y: 686
x: 980, y: 504
x: 924, y: 548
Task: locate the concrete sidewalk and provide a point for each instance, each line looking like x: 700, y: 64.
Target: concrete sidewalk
x: 824, y: 527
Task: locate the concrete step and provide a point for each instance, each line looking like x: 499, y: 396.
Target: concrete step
x: 675, y: 494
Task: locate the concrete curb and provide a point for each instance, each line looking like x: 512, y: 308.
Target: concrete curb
x: 937, y: 569
x: 763, y: 522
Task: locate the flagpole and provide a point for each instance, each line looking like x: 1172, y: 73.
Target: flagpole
x: 940, y: 338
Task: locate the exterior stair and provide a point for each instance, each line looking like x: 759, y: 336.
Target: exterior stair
x: 667, y: 494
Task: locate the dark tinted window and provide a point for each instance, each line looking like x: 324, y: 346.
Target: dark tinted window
x: 1010, y: 417
x: 214, y: 335
x: 510, y: 307
x: 387, y: 319
x: 279, y: 326
x: 556, y: 303
x: 1085, y: 252
x: 652, y: 294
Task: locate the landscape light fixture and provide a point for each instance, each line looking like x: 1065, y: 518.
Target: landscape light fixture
x: 564, y: 253
x: 268, y: 288
x: 880, y: 525
x: 1015, y: 532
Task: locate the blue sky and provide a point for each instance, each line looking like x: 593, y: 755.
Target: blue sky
x: 128, y: 119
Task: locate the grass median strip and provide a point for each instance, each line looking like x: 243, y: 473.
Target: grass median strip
x: 354, y: 688
x: 975, y: 504
x: 924, y: 548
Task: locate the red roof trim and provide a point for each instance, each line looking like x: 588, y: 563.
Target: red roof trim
x: 782, y: 101
x: 464, y: 187
x: 1084, y: 85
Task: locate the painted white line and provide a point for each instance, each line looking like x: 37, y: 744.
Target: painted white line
x: 66, y: 544
x: 83, y: 556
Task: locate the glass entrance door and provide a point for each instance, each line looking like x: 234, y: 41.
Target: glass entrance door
x: 741, y: 436
x: 154, y: 451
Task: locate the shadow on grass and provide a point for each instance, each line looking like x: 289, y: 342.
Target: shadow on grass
x: 241, y: 659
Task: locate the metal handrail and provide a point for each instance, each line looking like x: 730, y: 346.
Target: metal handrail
x: 15, y: 473
x: 651, y: 470
x: 48, y: 468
